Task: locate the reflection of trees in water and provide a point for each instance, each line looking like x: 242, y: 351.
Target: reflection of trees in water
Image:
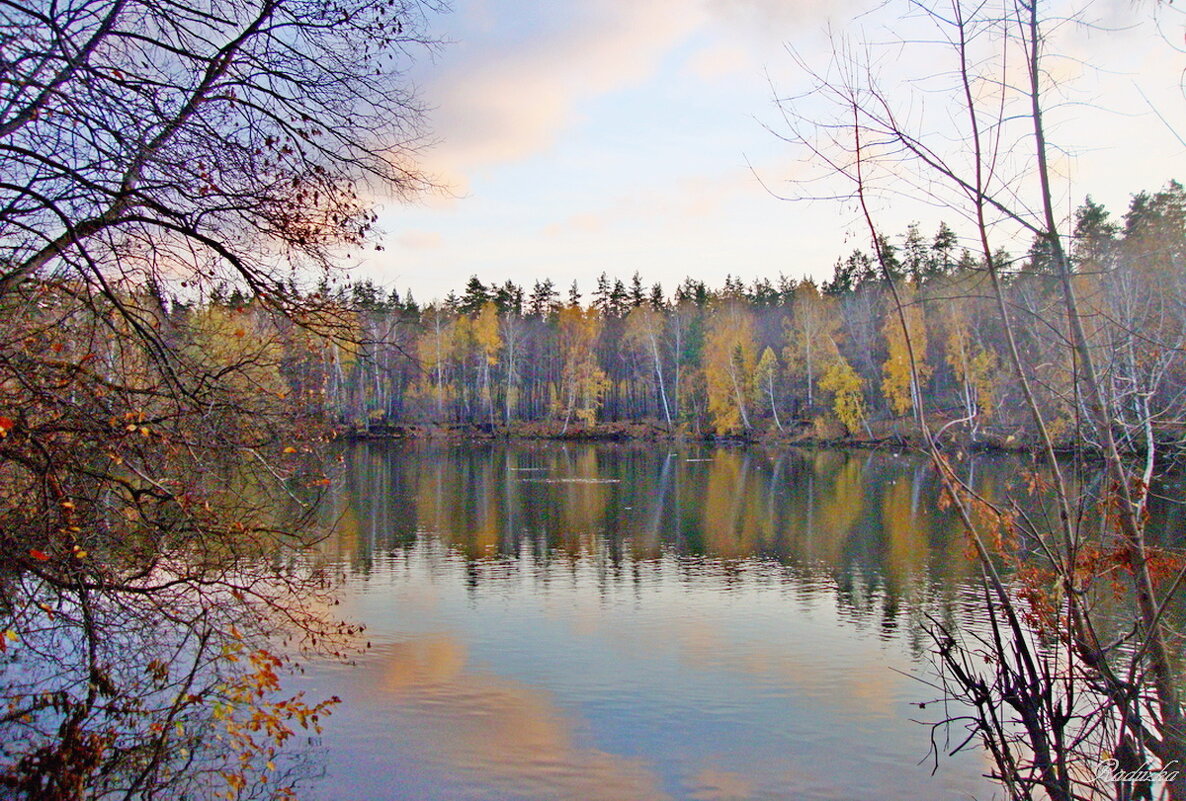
x: 146, y: 665
x: 864, y: 527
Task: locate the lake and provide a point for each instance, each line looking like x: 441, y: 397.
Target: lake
x: 635, y: 622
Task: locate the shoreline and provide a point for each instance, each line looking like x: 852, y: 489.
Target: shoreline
x: 883, y: 436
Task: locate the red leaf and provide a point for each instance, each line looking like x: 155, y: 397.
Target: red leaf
x: 36, y: 554
x: 6, y: 424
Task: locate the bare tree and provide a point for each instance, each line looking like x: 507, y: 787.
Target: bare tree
x: 1052, y: 696
x: 155, y: 477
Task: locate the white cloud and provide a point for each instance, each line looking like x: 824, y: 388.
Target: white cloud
x: 501, y: 104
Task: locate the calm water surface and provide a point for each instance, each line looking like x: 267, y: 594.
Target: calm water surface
x: 626, y: 623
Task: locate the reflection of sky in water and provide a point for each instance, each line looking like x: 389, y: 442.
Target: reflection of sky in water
x: 590, y: 677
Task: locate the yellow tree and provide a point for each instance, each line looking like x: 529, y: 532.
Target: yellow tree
x: 974, y: 365
x: 242, y: 344
x: 848, y: 393
x: 898, y: 385
x: 729, y: 361
x: 487, y: 342
x: 583, y: 382
x: 332, y: 334
x: 461, y: 355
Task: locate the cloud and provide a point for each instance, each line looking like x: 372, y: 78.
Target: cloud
x: 508, y: 735
x: 517, y: 77
x: 420, y: 240
x: 504, y: 101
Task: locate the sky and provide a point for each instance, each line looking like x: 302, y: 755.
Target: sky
x: 587, y: 136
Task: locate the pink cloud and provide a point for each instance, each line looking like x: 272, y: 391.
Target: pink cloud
x: 420, y: 240
x: 496, y: 106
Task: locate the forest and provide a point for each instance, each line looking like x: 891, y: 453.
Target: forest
x: 770, y: 357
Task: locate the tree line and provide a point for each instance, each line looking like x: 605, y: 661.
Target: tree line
x: 767, y: 356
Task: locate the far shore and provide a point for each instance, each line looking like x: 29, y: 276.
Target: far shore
x: 879, y: 435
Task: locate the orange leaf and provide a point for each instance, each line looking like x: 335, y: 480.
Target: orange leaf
x: 290, y: 449
x: 6, y: 424
x: 41, y: 555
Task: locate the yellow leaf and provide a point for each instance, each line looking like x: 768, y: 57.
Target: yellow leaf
x: 11, y: 635
x: 290, y: 449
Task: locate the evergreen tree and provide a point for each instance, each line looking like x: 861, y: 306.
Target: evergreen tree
x: 1094, y: 235
x: 509, y: 298
x: 693, y: 291
x: 1155, y: 231
x: 544, y: 299
x: 637, y: 291
x: 656, y: 300
x: 602, y: 295
x: 915, y: 258
x: 942, y: 251
x: 850, y: 273
x: 1040, y: 258
x: 763, y: 293
x: 619, y: 300
x: 474, y: 297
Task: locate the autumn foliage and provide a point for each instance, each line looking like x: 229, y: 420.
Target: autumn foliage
x: 161, y: 450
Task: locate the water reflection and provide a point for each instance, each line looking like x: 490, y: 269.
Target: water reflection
x: 617, y: 623
x: 865, y: 524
